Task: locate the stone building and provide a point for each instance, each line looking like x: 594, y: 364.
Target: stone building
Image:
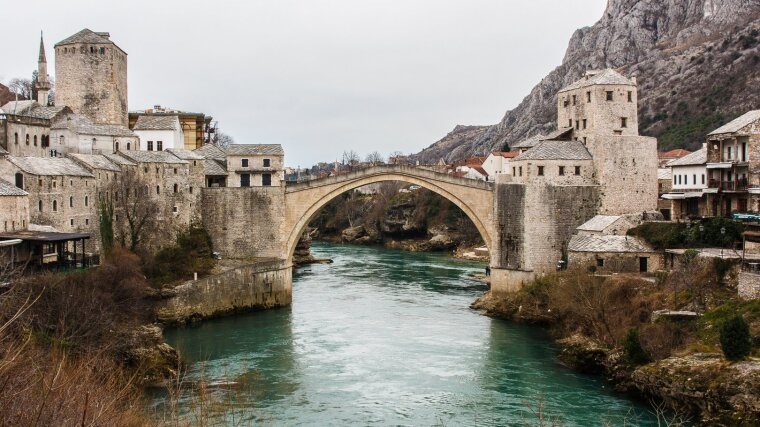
x: 25, y: 127
x: 91, y: 77
x: 196, y: 179
x: 498, y: 162
x: 14, y: 207
x: 733, y: 166
x: 76, y: 133
x: 62, y: 193
x: 554, y: 162
x: 255, y: 165
x: 196, y: 128
x: 215, y: 165
x: 158, y: 133
x: 601, y: 111
x: 613, y: 254
x: 688, y: 185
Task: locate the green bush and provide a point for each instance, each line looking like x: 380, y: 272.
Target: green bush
x: 191, y: 254
x: 735, y: 340
x: 632, y: 348
x: 661, y: 235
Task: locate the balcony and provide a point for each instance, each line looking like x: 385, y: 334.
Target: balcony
x: 737, y: 185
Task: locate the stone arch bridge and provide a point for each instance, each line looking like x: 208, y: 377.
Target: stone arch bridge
x: 525, y: 227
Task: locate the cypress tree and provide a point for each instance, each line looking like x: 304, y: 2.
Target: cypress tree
x: 735, y: 340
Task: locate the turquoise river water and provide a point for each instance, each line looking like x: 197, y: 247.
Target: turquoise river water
x: 383, y: 337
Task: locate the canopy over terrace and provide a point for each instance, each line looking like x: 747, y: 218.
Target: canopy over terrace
x: 47, y: 249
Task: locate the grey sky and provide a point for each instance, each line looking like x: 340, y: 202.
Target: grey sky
x: 320, y: 77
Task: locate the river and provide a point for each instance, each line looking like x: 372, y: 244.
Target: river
x: 385, y: 337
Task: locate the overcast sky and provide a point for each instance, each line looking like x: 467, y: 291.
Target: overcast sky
x: 320, y: 76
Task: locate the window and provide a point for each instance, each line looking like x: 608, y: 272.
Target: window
x: 674, y: 179
x: 561, y: 170
x: 577, y: 125
x: 570, y: 123
x: 158, y: 189
x: 513, y: 171
x: 630, y: 96
x: 175, y: 171
x: 150, y: 145
x: 245, y: 180
x: 584, y: 123
x: 87, y: 221
x: 15, y: 138
x: 244, y: 163
x: 71, y: 202
x: 27, y: 139
x: 694, y: 178
x: 86, y: 200
x: 116, y: 146
x: 728, y: 153
x: 129, y: 146
x: 159, y: 145
x: 573, y: 99
x: 20, y: 180
x: 540, y: 171
x: 744, y: 152
x: 609, y: 95
x: 55, y: 205
x: 623, y: 122
x: 71, y: 222
x: 175, y: 210
x: 35, y: 140
x: 40, y: 182
x: 191, y: 190
x: 102, y: 50
x: 577, y: 170
x: 176, y: 188
x: 520, y: 170
x: 703, y: 179
x: 266, y: 163
x: 266, y: 179
x: 588, y: 96
x: 39, y: 205
x: 566, y: 103
x: 145, y: 169
x: 60, y: 139
x: 195, y: 163
x: 600, y: 262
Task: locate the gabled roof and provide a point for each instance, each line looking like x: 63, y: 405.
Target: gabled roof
x: 8, y: 189
x: 665, y: 173
x: 19, y: 107
x: 80, y: 124
x: 151, y: 157
x: 738, y: 123
x: 673, y: 154
x: 33, y: 109
x: 558, y: 134
x: 211, y: 151
x: 698, y: 157
x: 86, y: 36
x: 255, y: 149
x: 479, y: 170
x: 162, y: 122
x: 506, y: 154
x: 95, y: 161
x: 50, y: 166
x: 119, y: 160
x: 214, y: 168
x: 607, y: 243
x: 599, y: 77
x: 556, y: 150
x: 185, y: 154
x: 599, y: 223
x: 528, y: 143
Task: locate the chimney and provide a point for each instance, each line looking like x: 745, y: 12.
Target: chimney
x: 633, y: 79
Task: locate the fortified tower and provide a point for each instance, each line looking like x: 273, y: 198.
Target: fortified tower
x: 91, y: 77
x: 43, y: 82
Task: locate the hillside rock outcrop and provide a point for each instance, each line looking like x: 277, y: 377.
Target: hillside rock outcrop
x: 697, y: 64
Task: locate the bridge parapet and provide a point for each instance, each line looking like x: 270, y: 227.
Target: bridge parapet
x: 411, y: 171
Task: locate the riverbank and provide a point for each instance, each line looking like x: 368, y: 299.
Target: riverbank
x: 682, y: 367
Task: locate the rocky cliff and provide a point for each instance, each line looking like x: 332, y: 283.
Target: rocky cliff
x: 697, y: 64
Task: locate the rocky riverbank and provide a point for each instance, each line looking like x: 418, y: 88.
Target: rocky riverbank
x: 686, y: 374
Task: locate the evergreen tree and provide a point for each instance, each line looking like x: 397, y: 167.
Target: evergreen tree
x: 632, y: 348
x: 106, y: 225
x: 735, y: 340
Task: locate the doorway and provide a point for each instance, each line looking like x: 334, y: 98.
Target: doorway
x: 643, y: 264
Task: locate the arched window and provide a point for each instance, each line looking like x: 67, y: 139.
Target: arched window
x: 86, y: 201
x: 20, y: 180
x: 61, y: 139
x: 55, y: 205
x: 158, y: 189
x: 71, y: 201
x: 116, y: 146
x: 176, y: 188
x: 129, y: 146
x: 27, y: 139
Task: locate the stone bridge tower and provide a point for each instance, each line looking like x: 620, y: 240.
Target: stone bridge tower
x: 91, y: 77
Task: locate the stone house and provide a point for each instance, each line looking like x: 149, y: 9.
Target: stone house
x: 14, y: 207
x: 196, y: 179
x: 664, y: 185
x: 25, y: 127
x: 75, y: 133
x: 196, y: 127
x: 733, y: 165
x: 688, y: 186
x: 554, y: 162
x: 215, y: 165
x: 159, y: 133
x: 62, y: 193
x: 613, y: 254
x: 605, y: 225
x: 255, y: 165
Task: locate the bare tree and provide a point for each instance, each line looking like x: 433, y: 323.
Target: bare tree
x: 222, y: 139
x: 21, y: 87
x: 396, y: 157
x: 375, y: 158
x: 135, y: 211
x: 351, y: 158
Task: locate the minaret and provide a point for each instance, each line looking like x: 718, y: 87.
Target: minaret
x: 43, y: 84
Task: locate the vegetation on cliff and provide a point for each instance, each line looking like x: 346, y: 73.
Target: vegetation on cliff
x: 705, y: 233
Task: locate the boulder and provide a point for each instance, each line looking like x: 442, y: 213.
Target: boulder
x: 352, y: 233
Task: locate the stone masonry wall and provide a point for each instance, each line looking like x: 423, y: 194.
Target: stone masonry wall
x: 615, y: 262
x: 509, y: 206
x: 245, y: 222
x: 749, y: 285
x: 93, y: 83
x: 602, y: 117
x: 259, y: 285
x: 14, y: 213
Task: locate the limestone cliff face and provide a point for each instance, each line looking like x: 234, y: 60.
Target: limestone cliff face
x: 697, y: 64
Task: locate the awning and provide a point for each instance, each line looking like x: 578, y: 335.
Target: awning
x: 720, y: 165
x: 681, y: 196
x: 753, y: 190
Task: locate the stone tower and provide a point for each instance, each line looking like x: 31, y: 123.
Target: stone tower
x: 42, y: 85
x: 91, y: 77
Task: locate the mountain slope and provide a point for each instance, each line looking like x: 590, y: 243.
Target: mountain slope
x: 697, y: 64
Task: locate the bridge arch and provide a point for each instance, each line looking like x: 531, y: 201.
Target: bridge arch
x: 304, y: 200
